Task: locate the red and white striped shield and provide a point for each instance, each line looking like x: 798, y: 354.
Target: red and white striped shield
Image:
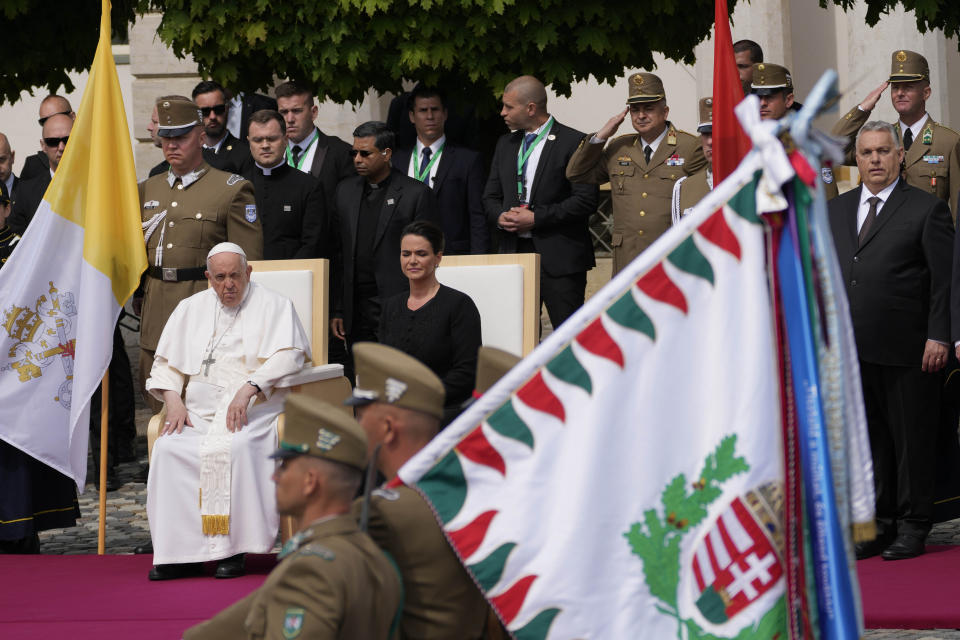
x: 738, y: 560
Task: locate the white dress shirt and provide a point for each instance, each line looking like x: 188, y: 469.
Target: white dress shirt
x: 916, y: 127
x: 417, y: 156
x: 309, y: 147
x: 865, y: 195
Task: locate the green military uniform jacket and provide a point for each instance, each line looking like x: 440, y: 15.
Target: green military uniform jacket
x: 640, y: 192
x: 933, y: 157
x: 332, y: 582
x: 216, y: 207
x: 441, y: 601
x: 688, y: 191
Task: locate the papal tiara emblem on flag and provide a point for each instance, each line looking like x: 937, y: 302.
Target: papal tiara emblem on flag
x: 737, y: 560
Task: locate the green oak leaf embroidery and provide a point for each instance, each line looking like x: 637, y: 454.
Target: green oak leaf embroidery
x: 657, y: 537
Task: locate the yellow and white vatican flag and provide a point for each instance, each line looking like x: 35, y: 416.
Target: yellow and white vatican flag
x: 62, y: 289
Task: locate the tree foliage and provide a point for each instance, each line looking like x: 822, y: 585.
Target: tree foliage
x: 930, y: 14
x: 342, y: 48
x: 42, y: 42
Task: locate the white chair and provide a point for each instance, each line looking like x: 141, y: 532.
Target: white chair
x: 506, y: 289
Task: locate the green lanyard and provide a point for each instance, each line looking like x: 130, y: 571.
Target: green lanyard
x: 303, y: 154
x: 523, y: 156
x: 423, y: 175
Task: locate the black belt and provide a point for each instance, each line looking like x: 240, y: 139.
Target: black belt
x: 171, y: 274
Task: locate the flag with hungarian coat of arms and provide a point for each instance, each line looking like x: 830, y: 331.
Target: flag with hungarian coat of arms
x: 628, y: 479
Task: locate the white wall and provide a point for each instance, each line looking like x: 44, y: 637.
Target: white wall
x: 19, y: 121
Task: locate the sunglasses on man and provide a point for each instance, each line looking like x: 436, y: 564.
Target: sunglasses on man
x: 218, y: 109
x: 364, y: 153
x: 61, y: 113
x: 55, y: 142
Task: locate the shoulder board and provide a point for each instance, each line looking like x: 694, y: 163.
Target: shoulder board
x: 318, y: 550
x: 234, y: 179
x: 942, y: 126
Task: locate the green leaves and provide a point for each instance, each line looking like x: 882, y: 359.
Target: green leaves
x: 656, y: 540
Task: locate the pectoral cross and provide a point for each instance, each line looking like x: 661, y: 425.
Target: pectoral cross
x: 206, y: 363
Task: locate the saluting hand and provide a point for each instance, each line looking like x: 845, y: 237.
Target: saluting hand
x: 873, y: 97
x: 612, y: 125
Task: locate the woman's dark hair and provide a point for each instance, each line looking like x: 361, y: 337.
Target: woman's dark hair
x: 425, y: 229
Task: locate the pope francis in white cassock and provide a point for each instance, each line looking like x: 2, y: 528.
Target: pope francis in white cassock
x: 209, y: 492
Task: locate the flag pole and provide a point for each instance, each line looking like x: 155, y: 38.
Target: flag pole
x: 104, y: 414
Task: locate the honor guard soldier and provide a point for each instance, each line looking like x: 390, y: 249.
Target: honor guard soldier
x: 932, y: 151
x: 332, y: 580
x: 689, y: 191
x: 400, y: 404
x: 641, y: 168
x: 185, y: 212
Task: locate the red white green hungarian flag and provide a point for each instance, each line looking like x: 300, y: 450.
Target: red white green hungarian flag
x: 626, y: 480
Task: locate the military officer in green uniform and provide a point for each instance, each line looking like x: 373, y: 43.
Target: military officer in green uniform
x: 688, y: 191
x: 400, y: 404
x: 932, y: 150
x: 640, y: 167
x: 332, y: 580
x: 185, y: 212
x: 773, y: 85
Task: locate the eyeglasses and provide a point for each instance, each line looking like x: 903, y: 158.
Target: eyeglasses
x: 61, y: 113
x: 55, y: 142
x: 218, y: 109
x: 364, y: 153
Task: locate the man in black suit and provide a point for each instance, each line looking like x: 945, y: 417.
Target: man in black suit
x: 371, y: 211
x: 533, y: 205
x: 221, y: 149
x: 56, y: 131
x: 894, y: 246
x: 7, y: 177
x: 290, y: 202
x: 241, y: 106
x: 455, y: 173
x: 310, y: 150
x: 39, y: 163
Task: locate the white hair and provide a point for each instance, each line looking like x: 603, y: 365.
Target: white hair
x: 880, y: 125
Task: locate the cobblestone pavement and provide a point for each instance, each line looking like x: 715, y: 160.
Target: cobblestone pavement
x: 127, y: 525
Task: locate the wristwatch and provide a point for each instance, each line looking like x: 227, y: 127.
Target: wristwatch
x: 255, y: 386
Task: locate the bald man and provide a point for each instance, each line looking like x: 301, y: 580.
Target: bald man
x: 56, y: 131
x: 7, y: 177
x: 532, y: 205
x: 38, y: 163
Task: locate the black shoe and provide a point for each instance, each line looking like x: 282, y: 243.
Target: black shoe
x: 231, y: 567
x: 872, y: 548
x: 907, y: 545
x: 113, y: 483
x: 174, y: 571
x: 141, y: 474
x: 144, y: 549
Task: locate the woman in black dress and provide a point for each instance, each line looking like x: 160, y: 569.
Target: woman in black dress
x: 437, y: 325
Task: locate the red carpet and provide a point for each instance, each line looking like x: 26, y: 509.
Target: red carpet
x: 921, y: 593
x: 88, y: 597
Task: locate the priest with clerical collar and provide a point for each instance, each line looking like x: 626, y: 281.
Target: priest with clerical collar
x: 209, y: 495
x: 290, y: 202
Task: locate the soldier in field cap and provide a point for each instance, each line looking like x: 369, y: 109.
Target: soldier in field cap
x: 185, y: 212
x: 932, y: 151
x: 641, y: 167
x: 689, y: 191
x: 332, y: 580
x: 400, y: 405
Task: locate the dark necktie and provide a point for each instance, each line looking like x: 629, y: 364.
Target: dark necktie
x: 907, y: 139
x: 296, y: 151
x: 528, y: 139
x: 647, y: 153
x: 868, y: 221
x: 427, y: 152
